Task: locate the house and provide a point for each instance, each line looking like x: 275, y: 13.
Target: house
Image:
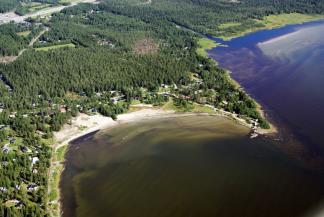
x: 3, y: 189
x: 224, y: 102
x: 25, y: 149
x: 34, y: 160
x: 40, y: 133
x: 62, y: 109
x: 114, y: 100
x: 12, y: 140
x: 12, y: 115
x: 32, y: 187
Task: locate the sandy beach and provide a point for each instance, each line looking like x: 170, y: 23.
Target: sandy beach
x: 84, y: 124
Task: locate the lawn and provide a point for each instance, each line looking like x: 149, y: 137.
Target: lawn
x: 70, y: 45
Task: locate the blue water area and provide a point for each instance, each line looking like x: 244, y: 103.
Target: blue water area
x: 283, y: 69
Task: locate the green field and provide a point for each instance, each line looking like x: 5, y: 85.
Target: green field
x: 205, y: 44
x: 275, y: 21
x: 31, y: 7
x: 70, y: 45
x: 194, y: 107
x: 227, y: 25
x: 24, y: 34
x: 234, y: 29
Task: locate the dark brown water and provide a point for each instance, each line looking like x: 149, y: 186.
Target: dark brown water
x: 193, y: 166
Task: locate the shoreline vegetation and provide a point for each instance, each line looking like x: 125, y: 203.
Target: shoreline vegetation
x: 229, y: 31
x: 268, y: 22
x: 125, y: 56
x: 86, y: 124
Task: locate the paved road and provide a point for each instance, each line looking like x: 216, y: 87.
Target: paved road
x: 11, y: 16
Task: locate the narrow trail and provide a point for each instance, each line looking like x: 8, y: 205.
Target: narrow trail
x: 10, y: 59
x: 32, y: 42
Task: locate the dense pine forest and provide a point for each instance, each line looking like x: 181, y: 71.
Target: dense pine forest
x: 101, y: 57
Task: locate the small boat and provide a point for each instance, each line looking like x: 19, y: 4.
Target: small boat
x: 253, y: 135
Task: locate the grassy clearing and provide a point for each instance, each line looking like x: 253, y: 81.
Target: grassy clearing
x: 24, y: 34
x: 59, y: 155
x: 54, y: 180
x: 198, y: 108
x: 275, y: 21
x: 70, y: 45
x: 205, y: 44
x: 194, y: 107
x: 228, y: 25
x: 268, y: 22
x: 30, y: 7
x: 135, y: 102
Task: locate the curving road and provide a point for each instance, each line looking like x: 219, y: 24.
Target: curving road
x: 11, y: 16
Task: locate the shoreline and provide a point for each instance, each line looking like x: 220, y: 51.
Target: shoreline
x: 270, y: 24
x: 83, y: 125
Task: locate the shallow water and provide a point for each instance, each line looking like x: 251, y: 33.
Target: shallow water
x: 187, y: 166
x: 284, y: 70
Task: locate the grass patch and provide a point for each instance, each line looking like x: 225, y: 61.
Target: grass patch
x: 275, y: 21
x: 47, y: 142
x: 230, y: 31
x: 205, y: 44
x: 54, y: 180
x: 193, y: 107
x: 59, y: 155
x: 198, y: 108
x: 228, y: 25
x: 135, y: 102
x: 82, y: 128
x: 30, y: 7
x: 24, y: 34
x: 70, y: 45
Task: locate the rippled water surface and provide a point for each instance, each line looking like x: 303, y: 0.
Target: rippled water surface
x: 194, y: 166
x: 284, y: 70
